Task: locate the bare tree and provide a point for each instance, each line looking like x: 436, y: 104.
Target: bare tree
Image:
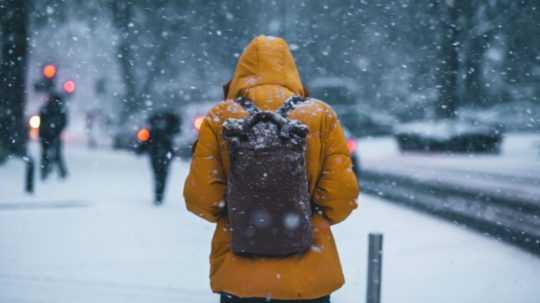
x: 449, y: 60
x: 122, y: 14
x: 14, y: 41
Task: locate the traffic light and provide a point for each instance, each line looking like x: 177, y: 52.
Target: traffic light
x: 49, y: 71
x: 46, y: 83
x: 69, y: 87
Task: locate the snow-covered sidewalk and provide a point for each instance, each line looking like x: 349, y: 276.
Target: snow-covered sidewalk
x: 97, y: 238
x: 499, y: 194
x: 519, y: 159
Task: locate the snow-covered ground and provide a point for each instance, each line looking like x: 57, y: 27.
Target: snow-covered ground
x: 520, y: 151
x: 513, y: 172
x: 97, y: 238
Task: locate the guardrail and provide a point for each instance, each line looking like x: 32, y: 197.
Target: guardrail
x: 506, y: 217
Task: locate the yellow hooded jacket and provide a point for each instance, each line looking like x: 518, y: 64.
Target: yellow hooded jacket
x: 266, y: 73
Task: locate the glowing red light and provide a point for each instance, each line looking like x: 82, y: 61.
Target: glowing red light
x: 69, y: 86
x: 352, y: 145
x: 49, y: 71
x: 143, y: 135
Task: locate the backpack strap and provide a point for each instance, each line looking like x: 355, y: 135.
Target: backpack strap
x: 283, y: 111
x: 247, y: 105
x: 289, y: 105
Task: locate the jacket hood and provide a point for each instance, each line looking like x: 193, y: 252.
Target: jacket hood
x: 266, y: 60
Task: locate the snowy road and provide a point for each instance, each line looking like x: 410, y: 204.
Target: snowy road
x: 97, y: 238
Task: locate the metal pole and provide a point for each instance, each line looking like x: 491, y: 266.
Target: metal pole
x: 374, y: 268
x: 29, y: 176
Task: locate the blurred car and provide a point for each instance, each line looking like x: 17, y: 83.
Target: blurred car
x: 193, y: 116
x: 352, y: 145
x: 364, y: 124
x: 124, y: 135
x: 185, y: 147
x: 454, y: 136
x: 343, y: 94
x: 125, y: 139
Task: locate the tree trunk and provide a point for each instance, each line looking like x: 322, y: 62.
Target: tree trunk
x: 474, y: 83
x: 122, y: 19
x: 449, y: 64
x: 474, y: 43
x: 14, y: 34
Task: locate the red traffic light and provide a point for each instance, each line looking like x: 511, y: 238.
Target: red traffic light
x: 143, y: 135
x: 49, y: 71
x: 69, y: 86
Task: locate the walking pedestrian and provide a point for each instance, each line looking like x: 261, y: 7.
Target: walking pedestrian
x: 157, y: 141
x: 271, y: 168
x: 53, y: 121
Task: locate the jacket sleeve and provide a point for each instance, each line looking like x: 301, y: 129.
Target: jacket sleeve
x: 337, y: 188
x: 205, y: 185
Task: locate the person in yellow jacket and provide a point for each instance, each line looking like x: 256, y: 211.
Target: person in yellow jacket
x: 267, y: 74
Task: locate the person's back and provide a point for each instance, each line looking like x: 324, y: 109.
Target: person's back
x: 163, y: 127
x: 267, y: 75
x: 53, y: 118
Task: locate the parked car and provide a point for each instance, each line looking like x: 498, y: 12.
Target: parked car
x: 455, y: 136
x: 352, y: 145
x: 124, y: 137
x: 343, y: 95
x: 193, y: 116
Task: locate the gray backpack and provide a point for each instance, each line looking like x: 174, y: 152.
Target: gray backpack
x: 268, y: 202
